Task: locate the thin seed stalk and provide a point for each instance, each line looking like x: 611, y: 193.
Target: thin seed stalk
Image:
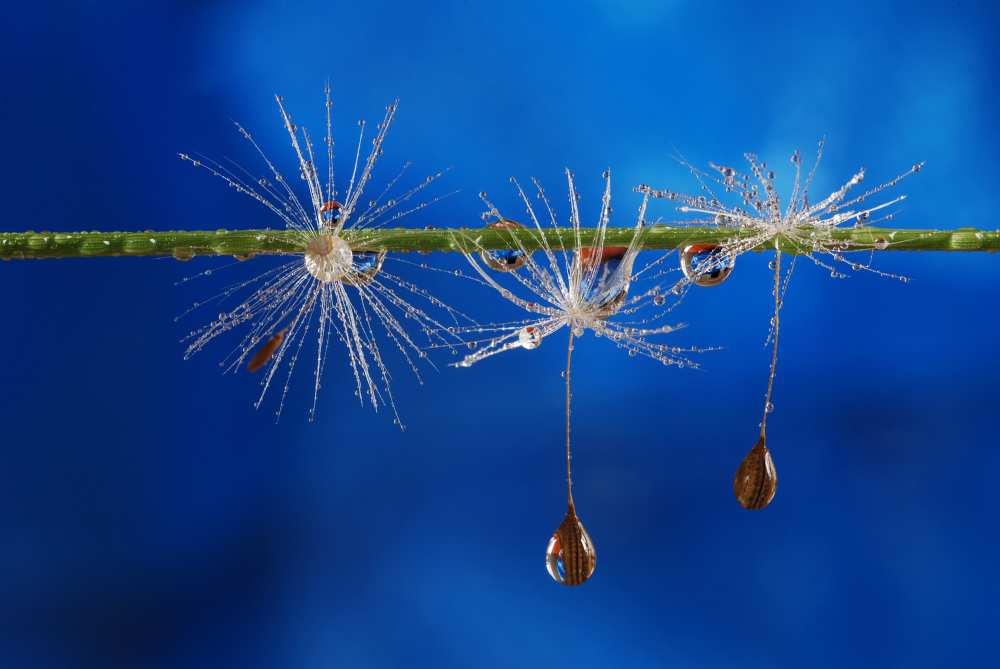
x: 190, y: 243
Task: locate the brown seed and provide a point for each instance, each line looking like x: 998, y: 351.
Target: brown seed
x: 756, y: 480
x: 265, y: 352
x: 570, y: 557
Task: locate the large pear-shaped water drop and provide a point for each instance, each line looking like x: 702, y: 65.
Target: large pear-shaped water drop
x: 706, y: 264
x: 570, y: 557
x: 504, y: 260
x: 756, y: 480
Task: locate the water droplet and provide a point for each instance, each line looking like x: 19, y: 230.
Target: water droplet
x: 183, y: 254
x: 881, y: 244
x: 570, y: 557
x: 504, y: 260
x: 706, y: 264
x: 365, y: 267
x: 658, y: 300
x: 756, y: 480
x: 330, y: 211
x: 529, y: 337
x: 610, y: 276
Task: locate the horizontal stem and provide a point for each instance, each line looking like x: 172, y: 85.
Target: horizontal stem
x: 189, y: 243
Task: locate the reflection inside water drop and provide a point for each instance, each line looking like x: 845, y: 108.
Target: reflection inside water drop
x: 706, y: 264
x: 504, y: 260
x: 365, y: 266
x: 604, y: 276
x: 570, y: 557
x: 529, y: 337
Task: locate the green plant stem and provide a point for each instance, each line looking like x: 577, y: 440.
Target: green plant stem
x: 188, y: 243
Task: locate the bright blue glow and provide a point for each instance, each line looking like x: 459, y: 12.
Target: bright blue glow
x: 153, y: 519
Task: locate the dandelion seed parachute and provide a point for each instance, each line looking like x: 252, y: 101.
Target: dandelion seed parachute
x: 581, y: 288
x: 761, y: 219
x: 335, y: 288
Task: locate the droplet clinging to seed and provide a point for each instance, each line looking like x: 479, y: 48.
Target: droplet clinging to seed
x: 570, y: 557
x: 529, y: 337
x: 756, y: 480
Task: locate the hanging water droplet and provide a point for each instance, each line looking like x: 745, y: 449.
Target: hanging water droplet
x: 504, y: 260
x: 881, y: 244
x: 183, y: 254
x: 570, y: 557
x: 529, y: 337
x: 365, y: 266
x: 756, y: 480
x: 706, y: 264
x: 658, y: 300
x: 607, y: 275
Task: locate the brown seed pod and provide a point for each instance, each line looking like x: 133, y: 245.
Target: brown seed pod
x: 756, y: 480
x: 570, y: 556
x: 265, y: 352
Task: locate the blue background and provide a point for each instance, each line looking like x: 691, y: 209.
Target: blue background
x: 149, y: 517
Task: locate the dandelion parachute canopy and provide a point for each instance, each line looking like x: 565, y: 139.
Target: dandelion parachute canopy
x: 582, y: 287
x: 334, y: 289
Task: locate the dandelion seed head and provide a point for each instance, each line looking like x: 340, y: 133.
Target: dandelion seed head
x: 580, y: 282
x: 329, y: 293
x: 328, y: 258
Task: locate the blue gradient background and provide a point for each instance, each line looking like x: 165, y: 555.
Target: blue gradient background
x: 150, y: 518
